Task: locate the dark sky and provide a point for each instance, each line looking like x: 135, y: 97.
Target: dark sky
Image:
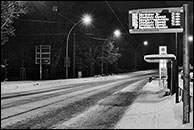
x: 108, y: 15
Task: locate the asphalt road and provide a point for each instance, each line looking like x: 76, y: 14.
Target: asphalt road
x: 93, y: 105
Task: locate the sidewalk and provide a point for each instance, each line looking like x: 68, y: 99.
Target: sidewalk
x: 152, y: 110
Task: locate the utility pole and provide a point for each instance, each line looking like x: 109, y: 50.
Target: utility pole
x: 136, y: 58
x: 102, y: 62
x: 40, y: 62
x: 186, y: 67
x: 73, y: 55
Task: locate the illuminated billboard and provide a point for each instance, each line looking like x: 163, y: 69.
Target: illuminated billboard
x: 156, y: 20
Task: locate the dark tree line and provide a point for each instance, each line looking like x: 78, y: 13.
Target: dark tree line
x: 43, y: 25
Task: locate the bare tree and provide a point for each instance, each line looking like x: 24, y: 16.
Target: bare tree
x: 10, y: 10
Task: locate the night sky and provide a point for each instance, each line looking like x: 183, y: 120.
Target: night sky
x: 32, y: 29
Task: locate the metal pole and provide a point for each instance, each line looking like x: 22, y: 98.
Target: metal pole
x: 186, y: 69
x: 176, y: 70
x: 67, y: 47
x: 40, y: 62
x: 74, y: 55
x: 136, y: 58
x: 102, y: 59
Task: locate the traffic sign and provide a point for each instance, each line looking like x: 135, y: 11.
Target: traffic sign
x: 67, y: 62
x: 156, y: 20
x: 43, y: 52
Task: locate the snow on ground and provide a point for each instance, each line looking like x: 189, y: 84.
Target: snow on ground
x: 154, y: 111
x: 20, y: 86
x: 149, y: 111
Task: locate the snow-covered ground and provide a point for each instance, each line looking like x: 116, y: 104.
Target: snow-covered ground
x: 153, y: 111
x: 149, y: 111
x: 21, y: 86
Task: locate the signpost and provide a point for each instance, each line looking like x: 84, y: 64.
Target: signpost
x: 42, y: 56
x: 162, y: 64
x: 186, y: 67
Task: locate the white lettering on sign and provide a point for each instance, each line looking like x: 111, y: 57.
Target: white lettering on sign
x: 150, y: 21
x: 162, y: 20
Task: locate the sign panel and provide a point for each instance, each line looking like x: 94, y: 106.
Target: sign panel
x: 162, y: 63
x: 43, y: 53
x: 67, y: 62
x: 156, y: 20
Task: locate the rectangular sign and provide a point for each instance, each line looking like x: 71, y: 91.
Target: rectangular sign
x: 43, y: 53
x: 67, y: 62
x: 163, y: 63
x: 156, y: 20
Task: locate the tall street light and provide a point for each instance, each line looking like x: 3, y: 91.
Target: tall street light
x: 145, y: 43
x: 86, y: 20
x: 114, y: 35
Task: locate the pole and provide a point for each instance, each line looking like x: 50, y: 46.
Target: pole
x: 66, y: 67
x: 40, y: 62
x: 136, y: 58
x: 186, y: 69
x: 176, y: 70
x: 102, y: 59
x: 74, y: 55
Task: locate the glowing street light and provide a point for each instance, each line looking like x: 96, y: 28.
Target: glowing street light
x: 190, y: 38
x: 85, y: 20
x: 145, y: 43
x: 117, y: 33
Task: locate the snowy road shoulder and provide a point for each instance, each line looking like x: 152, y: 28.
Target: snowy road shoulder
x: 152, y: 110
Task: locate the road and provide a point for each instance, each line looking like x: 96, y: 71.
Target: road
x: 98, y: 104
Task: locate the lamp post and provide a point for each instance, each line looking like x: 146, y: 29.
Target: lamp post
x: 145, y: 44
x: 114, y: 35
x: 86, y: 19
x: 190, y: 38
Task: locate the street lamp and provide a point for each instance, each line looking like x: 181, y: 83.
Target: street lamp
x: 145, y: 44
x: 190, y: 38
x: 115, y: 34
x: 85, y: 20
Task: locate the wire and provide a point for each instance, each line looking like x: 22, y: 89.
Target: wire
x: 41, y: 21
x: 58, y: 13
x: 42, y: 34
x: 115, y: 15
x: 122, y: 24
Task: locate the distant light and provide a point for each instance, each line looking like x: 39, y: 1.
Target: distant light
x: 145, y: 43
x: 86, y: 19
x: 190, y: 38
x: 117, y: 33
x: 54, y: 8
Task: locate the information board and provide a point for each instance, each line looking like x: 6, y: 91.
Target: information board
x: 156, y: 20
x: 67, y: 62
x: 43, y: 53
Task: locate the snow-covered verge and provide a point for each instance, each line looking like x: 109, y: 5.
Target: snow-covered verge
x: 153, y: 110
x: 21, y: 86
